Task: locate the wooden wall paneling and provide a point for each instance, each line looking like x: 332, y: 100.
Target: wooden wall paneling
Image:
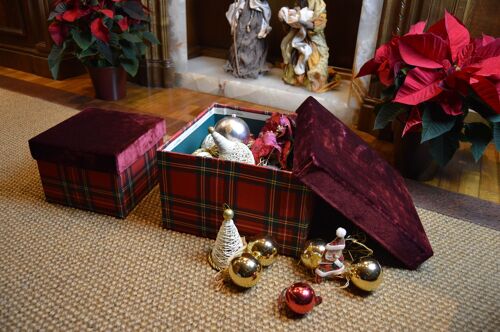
x: 482, y: 16
x: 157, y: 69
x: 24, y: 39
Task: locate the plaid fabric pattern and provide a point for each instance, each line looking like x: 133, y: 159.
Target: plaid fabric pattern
x: 107, y: 193
x: 266, y: 201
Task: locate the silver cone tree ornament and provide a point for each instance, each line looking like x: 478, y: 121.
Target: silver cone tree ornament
x: 227, y: 244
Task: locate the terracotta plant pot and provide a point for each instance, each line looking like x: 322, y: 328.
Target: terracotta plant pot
x: 110, y: 83
x: 411, y: 158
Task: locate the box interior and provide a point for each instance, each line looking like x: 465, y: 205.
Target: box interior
x: 191, y: 139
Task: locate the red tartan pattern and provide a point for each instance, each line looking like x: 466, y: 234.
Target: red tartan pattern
x: 266, y: 201
x: 101, y: 192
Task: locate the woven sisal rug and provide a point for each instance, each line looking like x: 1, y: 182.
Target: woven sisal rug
x: 66, y: 269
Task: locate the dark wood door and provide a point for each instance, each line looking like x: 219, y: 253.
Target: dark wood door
x: 24, y: 40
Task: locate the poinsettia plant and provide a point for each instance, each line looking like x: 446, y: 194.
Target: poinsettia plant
x: 101, y: 33
x: 433, y: 79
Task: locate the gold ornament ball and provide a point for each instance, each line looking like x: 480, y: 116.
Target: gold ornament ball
x: 366, y: 274
x: 313, y: 252
x: 245, y: 270
x: 228, y: 214
x: 264, y: 249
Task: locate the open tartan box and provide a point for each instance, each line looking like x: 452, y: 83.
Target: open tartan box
x: 331, y: 165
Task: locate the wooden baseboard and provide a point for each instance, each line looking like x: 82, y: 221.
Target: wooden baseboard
x: 156, y: 73
x: 37, y: 63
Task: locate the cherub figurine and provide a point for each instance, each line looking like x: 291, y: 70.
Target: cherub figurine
x: 249, y: 20
x: 332, y: 263
x: 304, y: 49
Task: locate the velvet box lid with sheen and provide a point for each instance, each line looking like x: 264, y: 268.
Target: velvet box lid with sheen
x: 353, y: 179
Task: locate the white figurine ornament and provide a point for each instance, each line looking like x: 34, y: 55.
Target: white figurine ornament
x: 232, y: 151
x: 333, y: 258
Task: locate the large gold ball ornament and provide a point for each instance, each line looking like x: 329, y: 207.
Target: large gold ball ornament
x: 313, y: 253
x: 245, y: 270
x: 366, y: 274
x: 264, y: 249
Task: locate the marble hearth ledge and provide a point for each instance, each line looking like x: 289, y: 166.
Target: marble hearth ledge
x: 205, y: 74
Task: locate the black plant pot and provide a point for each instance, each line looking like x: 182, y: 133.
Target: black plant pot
x: 110, y: 83
x: 411, y: 158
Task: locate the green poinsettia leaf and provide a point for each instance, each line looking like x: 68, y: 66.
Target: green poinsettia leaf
x: 434, y: 126
x: 388, y: 93
x: 91, y: 51
x: 54, y: 59
x: 131, y: 66
x: 443, y: 147
x: 114, y: 40
x: 141, y: 48
x: 83, y: 40
x: 105, y: 51
x: 94, y: 2
x: 108, y: 22
x: 480, y: 135
x: 388, y: 112
x: 60, y: 8
x: 151, y: 37
x: 129, y: 50
x: 496, y: 135
x: 131, y: 37
x: 134, y: 10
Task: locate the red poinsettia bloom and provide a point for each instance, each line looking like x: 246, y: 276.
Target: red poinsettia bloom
x: 123, y: 23
x: 75, y: 11
x: 58, y: 32
x: 387, y: 61
x: 446, y: 63
x: 99, y: 30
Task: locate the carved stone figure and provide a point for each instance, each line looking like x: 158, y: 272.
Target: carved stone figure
x: 249, y: 20
x: 304, y: 48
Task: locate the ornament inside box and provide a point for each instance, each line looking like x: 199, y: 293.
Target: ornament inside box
x: 332, y: 168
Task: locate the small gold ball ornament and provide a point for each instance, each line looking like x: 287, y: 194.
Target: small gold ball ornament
x: 245, y: 270
x: 228, y: 214
x: 313, y: 253
x: 366, y: 274
x: 264, y: 249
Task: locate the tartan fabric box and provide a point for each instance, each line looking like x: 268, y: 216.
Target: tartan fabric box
x: 97, y: 160
x: 194, y: 189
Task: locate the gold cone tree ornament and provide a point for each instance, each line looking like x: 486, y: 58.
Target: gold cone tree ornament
x: 227, y: 244
x: 232, y: 151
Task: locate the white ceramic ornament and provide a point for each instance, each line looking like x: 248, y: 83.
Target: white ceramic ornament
x: 202, y: 153
x: 208, y: 142
x: 232, y: 151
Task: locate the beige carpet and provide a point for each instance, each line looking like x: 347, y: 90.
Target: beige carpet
x: 66, y: 269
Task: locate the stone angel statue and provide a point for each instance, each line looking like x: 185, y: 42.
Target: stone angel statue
x: 249, y: 20
x: 304, y: 49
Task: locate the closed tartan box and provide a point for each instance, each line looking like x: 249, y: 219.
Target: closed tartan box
x: 194, y: 189
x: 98, y: 160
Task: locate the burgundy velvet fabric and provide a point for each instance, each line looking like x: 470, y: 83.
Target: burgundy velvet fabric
x: 100, y: 140
x: 342, y: 169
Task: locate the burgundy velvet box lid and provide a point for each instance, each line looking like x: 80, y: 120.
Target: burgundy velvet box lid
x: 100, y: 140
x: 343, y: 170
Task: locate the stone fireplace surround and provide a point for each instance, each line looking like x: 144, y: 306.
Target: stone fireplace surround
x: 205, y: 74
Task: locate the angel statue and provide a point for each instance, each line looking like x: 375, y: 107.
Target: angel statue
x: 249, y: 20
x: 304, y: 48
